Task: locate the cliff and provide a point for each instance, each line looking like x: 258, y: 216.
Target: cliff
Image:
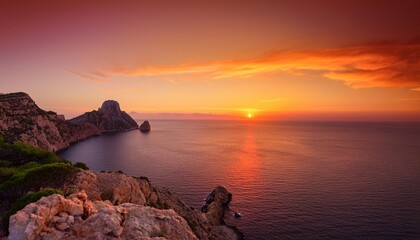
x: 116, y: 206
x: 109, y: 118
x: 22, y: 120
x: 98, y: 205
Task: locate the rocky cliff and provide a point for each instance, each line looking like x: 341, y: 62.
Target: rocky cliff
x: 116, y: 206
x: 109, y: 118
x: 22, y: 120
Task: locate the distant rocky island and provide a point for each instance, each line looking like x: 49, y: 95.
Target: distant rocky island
x: 43, y: 196
x: 22, y: 120
x: 145, y: 127
x: 108, y: 118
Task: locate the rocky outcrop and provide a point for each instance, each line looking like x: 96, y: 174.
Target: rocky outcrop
x: 145, y: 127
x: 114, y: 205
x: 109, y: 118
x: 119, y: 188
x: 77, y: 217
x: 22, y: 120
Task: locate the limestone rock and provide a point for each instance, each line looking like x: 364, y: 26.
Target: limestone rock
x: 217, y: 203
x: 116, y: 206
x: 22, y: 120
x: 45, y: 220
x: 115, y: 187
x: 145, y: 127
x: 118, y: 189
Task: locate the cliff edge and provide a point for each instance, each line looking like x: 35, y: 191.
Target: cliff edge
x: 116, y: 206
x: 22, y: 120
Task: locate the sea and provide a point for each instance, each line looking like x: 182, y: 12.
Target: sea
x: 289, y: 180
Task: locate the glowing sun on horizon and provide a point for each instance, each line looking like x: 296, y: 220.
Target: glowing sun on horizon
x: 249, y: 115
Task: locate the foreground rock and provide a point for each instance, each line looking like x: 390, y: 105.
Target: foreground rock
x: 77, y: 217
x: 22, y: 120
x: 109, y: 118
x: 119, y: 188
x: 116, y: 206
x: 145, y: 126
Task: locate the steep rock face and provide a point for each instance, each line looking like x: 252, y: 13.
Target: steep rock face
x: 22, y: 120
x: 114, y: 205
x: 116, y: 187
x: 119, y: 188
x: 77, y: 217
x: 108, y: 118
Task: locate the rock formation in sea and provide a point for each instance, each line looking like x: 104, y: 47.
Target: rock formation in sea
x: 145, y: 126
x: 109, y: 118
x: 116, y: 206
x: 22, y: 120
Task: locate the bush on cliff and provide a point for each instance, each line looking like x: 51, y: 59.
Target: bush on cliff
x: 35, y: 154
x: 21, y: 202
x: 51, y: 175
x: 26, y: 169
x: 81, y: 165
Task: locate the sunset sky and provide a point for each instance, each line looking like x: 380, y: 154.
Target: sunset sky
x: 216, y: 59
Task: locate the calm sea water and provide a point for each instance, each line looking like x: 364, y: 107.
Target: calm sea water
x: 301, y: 180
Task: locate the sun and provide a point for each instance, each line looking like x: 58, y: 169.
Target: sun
x: 249, y: 115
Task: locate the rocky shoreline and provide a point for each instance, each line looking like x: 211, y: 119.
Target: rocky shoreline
x: 116, y: 206
x: 92, y: 205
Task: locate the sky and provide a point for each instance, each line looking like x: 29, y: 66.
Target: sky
x: 302, y: 59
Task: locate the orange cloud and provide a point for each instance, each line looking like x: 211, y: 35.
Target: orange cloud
x: 373, y: 65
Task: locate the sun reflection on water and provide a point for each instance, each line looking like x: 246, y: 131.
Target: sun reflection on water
x: 245, y: 166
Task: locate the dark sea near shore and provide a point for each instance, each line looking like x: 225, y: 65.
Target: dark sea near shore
x: 290, y: 180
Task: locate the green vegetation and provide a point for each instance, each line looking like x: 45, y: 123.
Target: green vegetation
x: 5, y: 163
x: 52, y: 175
x: 21, y: 202
x: 81, y: 165
x: 26, y: 169
x: 35, y: 154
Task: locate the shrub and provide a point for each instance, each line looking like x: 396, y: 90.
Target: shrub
x: 6, y: 173
x: 81, y: 165
x: 144, y: 178
x: 36, y: 154
x: 5, y: 163
x: 52, y: 175
x: 21, y: 202
x: 29, y: 165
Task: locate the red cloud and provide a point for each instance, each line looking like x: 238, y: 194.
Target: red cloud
x: 372, y: 65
